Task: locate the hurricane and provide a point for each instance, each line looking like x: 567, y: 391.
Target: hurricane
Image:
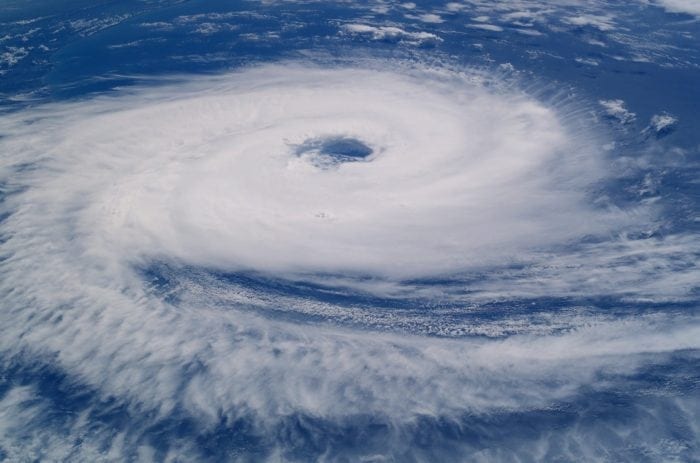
x: 367, y: 257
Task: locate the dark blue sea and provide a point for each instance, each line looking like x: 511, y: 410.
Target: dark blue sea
x: 346, y: 231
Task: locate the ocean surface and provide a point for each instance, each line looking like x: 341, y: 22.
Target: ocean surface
x: 350, y: 231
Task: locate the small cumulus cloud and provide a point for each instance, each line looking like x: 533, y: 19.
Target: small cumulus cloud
x: 390, y: 33
x: 615, y: 109
x: 431, y: 18
x: 600, y: 22
x: 661, y: 124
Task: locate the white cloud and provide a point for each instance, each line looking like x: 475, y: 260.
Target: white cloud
x: 662, y: 122
x: 486, y: 27
x: 391, y: 33
x: 455, y: 6
x: 587, y: 61
x: 530, y: 32
x: 601, y: 22
x: 691, y: 7
x: 91, y: 26
x: 13, y: 55
x: 431, y: 18
x: 616, y: 109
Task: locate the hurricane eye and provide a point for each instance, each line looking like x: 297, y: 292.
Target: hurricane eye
x: 328, y: 152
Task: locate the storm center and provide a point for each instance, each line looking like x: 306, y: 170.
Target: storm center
x: 330, y: 151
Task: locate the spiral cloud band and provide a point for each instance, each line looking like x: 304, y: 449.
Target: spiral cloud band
x: 358, y: 184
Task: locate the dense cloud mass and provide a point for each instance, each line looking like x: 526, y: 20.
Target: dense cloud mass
x: 215, y: 175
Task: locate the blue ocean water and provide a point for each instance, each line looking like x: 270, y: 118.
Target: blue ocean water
x: 588, y: 354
